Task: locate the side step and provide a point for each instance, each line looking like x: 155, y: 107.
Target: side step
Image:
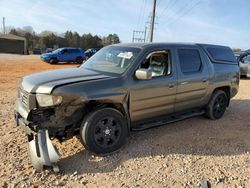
x: 166, y: 120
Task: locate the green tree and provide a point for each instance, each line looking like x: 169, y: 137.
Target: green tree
x: 110, y: 39
x: 73, y: 39
x: 90, y: 41
x: 49, y: 39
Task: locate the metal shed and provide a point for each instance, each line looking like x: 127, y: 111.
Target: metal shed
x: 12, y: 44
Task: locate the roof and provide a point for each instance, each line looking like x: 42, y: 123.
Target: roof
x: 11, y: 37
x: 156, y: 44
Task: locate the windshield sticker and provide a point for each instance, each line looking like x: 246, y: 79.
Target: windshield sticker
x: 126, y: 55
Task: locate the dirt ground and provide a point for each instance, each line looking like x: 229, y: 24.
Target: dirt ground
x: 176, y: 155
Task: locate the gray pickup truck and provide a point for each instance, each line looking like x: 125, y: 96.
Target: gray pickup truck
x: 121, y: 88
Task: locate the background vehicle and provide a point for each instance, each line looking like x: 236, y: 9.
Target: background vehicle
x: 37, y: 51
x: 90, y: 52
x: 49, y: 50
x: 64, y: 55
x: 121, y: 88
x: 244, y: 63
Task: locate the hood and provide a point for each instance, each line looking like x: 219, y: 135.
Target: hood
x: 49, y: 54
x: 44, y: 82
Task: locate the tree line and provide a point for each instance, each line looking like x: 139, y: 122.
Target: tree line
x: 49, y: 39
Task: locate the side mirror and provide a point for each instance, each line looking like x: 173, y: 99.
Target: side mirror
x: 143, y: 74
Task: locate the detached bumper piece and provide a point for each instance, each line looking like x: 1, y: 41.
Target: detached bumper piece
x: 42, y: 152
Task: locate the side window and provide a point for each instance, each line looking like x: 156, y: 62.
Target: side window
x: 190, y: 60
x: 246, y: 59
x: 158, y: 63
x: 65, y: 51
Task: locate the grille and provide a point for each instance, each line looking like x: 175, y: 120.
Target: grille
x: 24, y: 97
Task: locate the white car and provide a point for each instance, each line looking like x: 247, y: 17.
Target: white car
x: 244, y: 63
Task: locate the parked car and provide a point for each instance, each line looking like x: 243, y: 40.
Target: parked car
x: 64, y: 55
x: 90, y: 52
x: 124, y: 87
x: 37, y: 51
x: 244, y: 63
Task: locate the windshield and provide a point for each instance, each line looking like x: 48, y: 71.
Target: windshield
x: 113, y: 59
x: 58, y: 50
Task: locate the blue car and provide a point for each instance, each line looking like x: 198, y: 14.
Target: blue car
x: 64, y: 55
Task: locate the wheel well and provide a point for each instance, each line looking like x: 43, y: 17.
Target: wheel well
x: 93, y: 105
x: 54, y: 58
x: 227, y: 90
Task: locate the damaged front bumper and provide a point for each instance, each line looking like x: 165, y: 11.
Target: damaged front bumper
x: 41, y: 150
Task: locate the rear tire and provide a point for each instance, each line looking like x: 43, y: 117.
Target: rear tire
x: 217, y: 105
x: 104, y: 131
x: 79, y: 60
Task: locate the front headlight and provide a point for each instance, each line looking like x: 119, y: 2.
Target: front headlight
x: 48, y: 100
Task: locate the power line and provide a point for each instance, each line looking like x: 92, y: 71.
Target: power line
x: 173, y: 10
x: 169, y: 6
x: 141, y: 13
x: 184, y: 13
x: 158, y: 4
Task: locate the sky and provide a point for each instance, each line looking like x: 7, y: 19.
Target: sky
x: 225, y: 22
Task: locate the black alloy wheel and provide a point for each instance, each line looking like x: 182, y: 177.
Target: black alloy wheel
x: 220, y: 105
x: 107, y: 132
x: 217, y: 105
x: 104, y: 130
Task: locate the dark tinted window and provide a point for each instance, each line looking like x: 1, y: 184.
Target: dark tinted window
x: 221, y: 54
x: 73, y: 51
x: 76, y: 51
x: 190, y: 60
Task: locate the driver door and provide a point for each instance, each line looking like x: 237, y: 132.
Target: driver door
x: 156, y: 96
x: 63, y: 55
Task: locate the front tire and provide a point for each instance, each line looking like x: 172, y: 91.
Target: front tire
x: 53, y: 61
x: 104, y: 131
x: 217, y: 105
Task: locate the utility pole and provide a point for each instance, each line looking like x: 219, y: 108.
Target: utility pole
x: 145, y: 33
x: 4, y: 25
x: 152, y: 22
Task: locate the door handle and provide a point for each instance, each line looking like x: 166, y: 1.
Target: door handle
x: 204, y: 79
x: 171, y: 85
x: 184, y: 83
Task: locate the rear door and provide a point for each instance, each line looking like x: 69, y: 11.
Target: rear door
x: 71, y: 55
x: 74, y: 54
x: 193, y: 78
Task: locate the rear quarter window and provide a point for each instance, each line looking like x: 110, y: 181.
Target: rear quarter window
x: 221, y: 54
x: 190, y: 61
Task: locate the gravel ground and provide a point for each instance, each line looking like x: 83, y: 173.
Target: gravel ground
x: 176, y: 155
